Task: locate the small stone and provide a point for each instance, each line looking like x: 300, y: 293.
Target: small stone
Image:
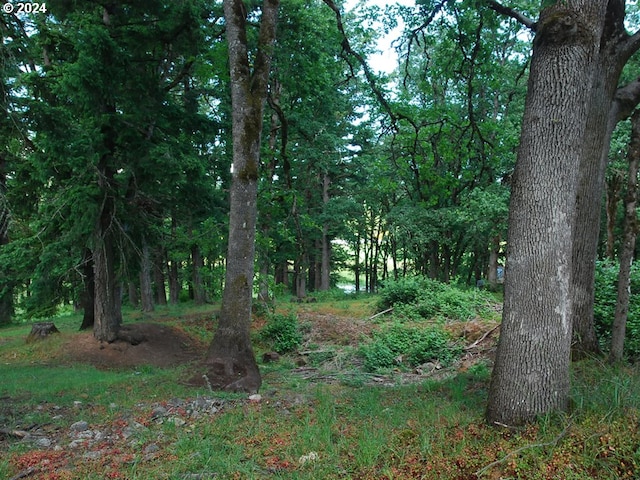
x: 177, y: 421
x: 92, y: 455
x: 255, y: 398
x: 77, y: 403
x: 151, y: 448
x: 158, y: 412
x: 80, y: 426
x: 268, y: 357
x: 44, y: 442
x: 309, y: 457
x: 76, y: 443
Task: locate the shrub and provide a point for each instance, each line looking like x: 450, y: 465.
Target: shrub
x: 423, y: 297
x: 283, y: 330
x: 400, y: 344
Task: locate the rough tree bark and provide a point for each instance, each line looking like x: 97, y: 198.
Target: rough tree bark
x: 531, y: 373
x: 607, y: 107
x: 325, y: 267
x: 628, y: 245
x: 230, y: 360
x: 146, y: 290
x: 197, y: 262
x: 159, y: 265
x: 88, y: 295
x: 107, y: 315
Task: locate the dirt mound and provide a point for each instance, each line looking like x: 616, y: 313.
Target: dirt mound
x: 139, y: 344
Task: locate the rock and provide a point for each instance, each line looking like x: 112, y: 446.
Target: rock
x: 80, y: 426
x: 77, y: 443
x: 309, y: 457
x: 268, y: 357
x: 159, y: 412
x: 177, y: 421
x: 151, y: 448
x: 44, y: 442
x: 92, y: 455
x: 255, y: 398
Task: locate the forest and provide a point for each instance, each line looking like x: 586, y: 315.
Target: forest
x: 157, y: 153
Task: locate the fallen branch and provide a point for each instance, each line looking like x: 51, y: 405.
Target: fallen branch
x: 553, y: 442
x: 25, y: 473
x: 380, y: 313
x: 479, y: 341
x: 13, y: 433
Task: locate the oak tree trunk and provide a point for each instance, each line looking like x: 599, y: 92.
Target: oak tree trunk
x: 231, y: 363
x: 628, y: 245
x: 606, y: 108
x: 531, y: 373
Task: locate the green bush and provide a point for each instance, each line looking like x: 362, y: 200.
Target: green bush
x: 409, y: 346
x: 421, y: 297
x: 283, y: 331
x: 606, y: 285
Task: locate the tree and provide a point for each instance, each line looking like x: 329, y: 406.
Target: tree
x: 531, y: 373
x: 628, y: 244
x: 230, y: 359
x: 608, y: 105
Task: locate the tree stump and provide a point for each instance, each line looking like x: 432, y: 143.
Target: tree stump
x: 41, y: 330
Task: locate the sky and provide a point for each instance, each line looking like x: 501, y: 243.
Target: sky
x: 387, y: 60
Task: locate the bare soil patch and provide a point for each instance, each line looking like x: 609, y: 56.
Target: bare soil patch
x: 151, y: 344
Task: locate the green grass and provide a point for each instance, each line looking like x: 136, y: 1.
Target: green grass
x: 345, y: 425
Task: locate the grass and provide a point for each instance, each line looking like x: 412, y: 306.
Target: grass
x: 338, y: 427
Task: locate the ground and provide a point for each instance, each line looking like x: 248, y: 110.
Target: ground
x: 156, y: 345
x: 61, y: 452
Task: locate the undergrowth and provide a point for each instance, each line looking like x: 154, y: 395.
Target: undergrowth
x: 417, y: 298
x: 313, y: 427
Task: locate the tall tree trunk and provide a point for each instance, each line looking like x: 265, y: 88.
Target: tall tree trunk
x: 494, y: 252
x: 607, y: 107
x: 197, y: 263
x: 6, y: 287
x: 356, y: 265
x: 146, y: 291
x: 230, y: 358
x: 628, y: 245
x: 174, y: 283
x: 88, y: 294
x: 159, y: 278
x: 106, y: 314
x: 106, y: 307
x: 134, y: 301
x: 325, y: 264
x: 614, y: 185
x: 531, y: 373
